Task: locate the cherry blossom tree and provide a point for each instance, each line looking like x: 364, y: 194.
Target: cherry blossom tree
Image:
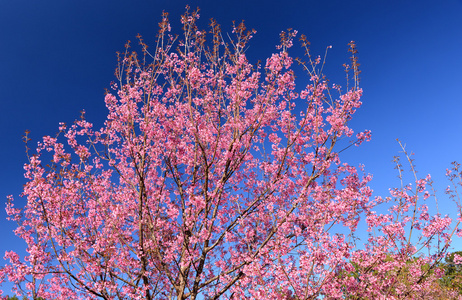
x: 216, y: 178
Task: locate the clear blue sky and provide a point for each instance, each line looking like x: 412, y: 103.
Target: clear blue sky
x: 57, y: 57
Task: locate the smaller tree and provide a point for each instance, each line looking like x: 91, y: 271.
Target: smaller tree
x: 394, y: 263
x: 452, y: 266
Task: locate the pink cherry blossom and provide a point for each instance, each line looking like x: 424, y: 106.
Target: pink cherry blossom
x: 216, y: 178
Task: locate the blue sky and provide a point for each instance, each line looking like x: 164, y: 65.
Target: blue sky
x: 57, y: 57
